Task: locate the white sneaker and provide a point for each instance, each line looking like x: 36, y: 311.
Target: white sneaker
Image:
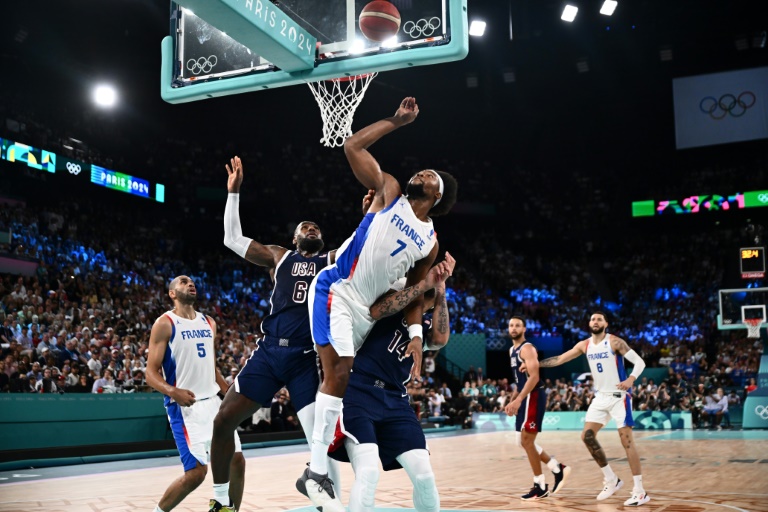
x: 609, y: 489
x: 319, y: 489
x: 638, y: 498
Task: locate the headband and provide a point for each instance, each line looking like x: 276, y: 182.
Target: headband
x: 440, y: 186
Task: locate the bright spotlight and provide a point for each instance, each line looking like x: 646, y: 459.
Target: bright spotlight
x: 608, y: 7
x: 569, y: 13
x: 105, y: 96
x: 389, y: 43
x: 358, y: 46
x: 477, y: 28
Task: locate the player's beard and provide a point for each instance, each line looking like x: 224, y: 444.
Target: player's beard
x: 517, y: 338
x: 415, y: 190
x: 185, y: 298
x: 311, y: 245
x: 597, y: 330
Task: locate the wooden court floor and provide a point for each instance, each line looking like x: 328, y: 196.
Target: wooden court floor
x: 683, y: 472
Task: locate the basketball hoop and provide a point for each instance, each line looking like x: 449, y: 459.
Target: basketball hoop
x: 338, y: 99
x: 753, y: 327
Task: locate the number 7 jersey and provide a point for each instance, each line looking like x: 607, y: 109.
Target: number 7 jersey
x: 382, y: 249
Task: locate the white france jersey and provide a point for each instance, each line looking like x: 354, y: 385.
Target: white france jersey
x: 384, y: 247
x: 607, y: 367
x: 189, y: 360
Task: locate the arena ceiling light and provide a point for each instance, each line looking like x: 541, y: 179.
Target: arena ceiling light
x: 569, y: 13
x: 608, y: 7
x: 477, y: 28
x: 105, y: 96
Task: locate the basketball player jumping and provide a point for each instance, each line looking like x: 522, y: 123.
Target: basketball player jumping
x: 286, y: 355
x: 389, y: 431
x: 605, y: 354
x: 396, y: 236
x: 529, y: 406
x: 182, y: 366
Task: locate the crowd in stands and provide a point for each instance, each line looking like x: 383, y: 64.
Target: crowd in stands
x: 82, y: 323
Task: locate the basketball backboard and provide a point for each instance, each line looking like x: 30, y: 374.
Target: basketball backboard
x: 737, y: 305
x: 223, y: 47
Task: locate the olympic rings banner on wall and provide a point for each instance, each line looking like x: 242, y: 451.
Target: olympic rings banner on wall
x: 721, y: 107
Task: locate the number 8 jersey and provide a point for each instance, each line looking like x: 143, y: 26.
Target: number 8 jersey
x: 189, y: 361
x: 382, y: 249
x: 607, y: 367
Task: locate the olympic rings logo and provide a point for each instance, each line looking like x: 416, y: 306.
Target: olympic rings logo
x: 73, y: 168
x: 423, y: 27
x: 202, y: 65
x: 763, y: 198
x: 727, y: 104
x: 551, y: 420
x: 762, y: 411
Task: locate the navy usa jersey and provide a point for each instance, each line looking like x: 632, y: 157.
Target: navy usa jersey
x: 382, y: 356
x: 514, y: 360
x: 288, y: 315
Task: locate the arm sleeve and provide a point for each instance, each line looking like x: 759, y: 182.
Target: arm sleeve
x: 233, y: 232
x: 636, y: 360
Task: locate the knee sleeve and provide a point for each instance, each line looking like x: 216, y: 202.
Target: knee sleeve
x: 416, y: 464
x: 539, y: 449
x: 365, y: 464
x: 307, y: 420
x: 327, y: 412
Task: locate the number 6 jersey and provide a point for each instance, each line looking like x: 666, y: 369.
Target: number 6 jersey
x: 288, y: 315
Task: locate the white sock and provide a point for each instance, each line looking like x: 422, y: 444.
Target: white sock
x: 610, y: 476
x: 221, y: 493
x: 638, y: 483
x: 327, y: 411
x: 553, y: 465
x: 539, y: 479
x: 158, y: 509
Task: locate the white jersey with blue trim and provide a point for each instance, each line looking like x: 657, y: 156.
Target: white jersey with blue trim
x: 384, y: 247
x: 607, y: 366
x: 189, y: 361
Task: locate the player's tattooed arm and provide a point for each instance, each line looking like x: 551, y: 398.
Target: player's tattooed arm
x: 619, y: 345
x: 575, y: 352
x: 441, y: 307
x: 394, y: 302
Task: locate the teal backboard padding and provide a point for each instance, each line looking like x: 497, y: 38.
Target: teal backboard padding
x: 402, y: 57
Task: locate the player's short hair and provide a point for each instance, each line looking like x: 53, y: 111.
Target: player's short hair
x: 605, y: 317
x: 517, y: 317
x: 298, y: 226
x: 450, y: 193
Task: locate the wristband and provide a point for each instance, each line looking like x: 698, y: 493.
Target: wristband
x: 415, y: 330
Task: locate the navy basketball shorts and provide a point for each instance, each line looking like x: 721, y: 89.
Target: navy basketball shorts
x: 380, y: 416
x: 530, y: 416
x: 274, y: 365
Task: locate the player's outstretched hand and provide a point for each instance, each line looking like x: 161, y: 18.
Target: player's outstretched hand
x: 414, y: 349
x: 367, y: 200
x: 438, y: 274
x: 183, y: 397
x: 235, y: 171
x: 408, y: 111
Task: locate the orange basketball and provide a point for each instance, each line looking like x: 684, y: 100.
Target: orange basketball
x: 379, y: 20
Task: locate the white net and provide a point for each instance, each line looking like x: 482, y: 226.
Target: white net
x: 338, y: 99
x: 753, y: 327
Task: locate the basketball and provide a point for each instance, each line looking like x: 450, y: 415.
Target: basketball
x: 379, y: 20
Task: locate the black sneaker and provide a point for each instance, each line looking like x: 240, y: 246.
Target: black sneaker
x: 536, y: 493
x: 560, y: 478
